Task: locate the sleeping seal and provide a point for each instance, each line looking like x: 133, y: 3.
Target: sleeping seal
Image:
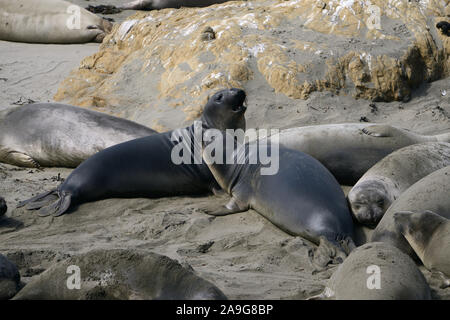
x: 119, y: 274
x: 430, y: 193
x: 379, y: 187
x: 50, y: 21
x: 60, y: 135
x: 145, y: 167
x: 349, y: 150
x: 160, y: 4
x: 429, y: 235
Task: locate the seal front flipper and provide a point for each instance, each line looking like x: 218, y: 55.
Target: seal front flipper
x: 329, y: 252
x: 18, y: 159
x: 379, y: 130
x: 231, y: 207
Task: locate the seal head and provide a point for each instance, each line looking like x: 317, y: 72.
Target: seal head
x: 369, y: 201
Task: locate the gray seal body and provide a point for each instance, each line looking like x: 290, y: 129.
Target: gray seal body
x: 162, y: 4
x: 60, y: 135
x: 348, y: 150
x: 50, y: 21
x: 379, y: 187
x: 142, y: 167
x: 430, y: 193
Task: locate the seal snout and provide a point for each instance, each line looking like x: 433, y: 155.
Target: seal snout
x: 239, y: 99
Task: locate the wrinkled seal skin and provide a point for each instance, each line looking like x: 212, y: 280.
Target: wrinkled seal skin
x: 161, y: 4
x: 429, y: 235
x: 45, y: 21
x: 3, y: 207
x: 430, y: 193
x: 400, y: 279
x: 142, y: 167
x: 9, y: 278
x: 60, y: 135
x: 349, y: 150
x: 379, y: 187
x: 302, y: 198
x: 120, y: 274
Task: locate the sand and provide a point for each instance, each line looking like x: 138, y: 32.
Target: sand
x: 243, y: 254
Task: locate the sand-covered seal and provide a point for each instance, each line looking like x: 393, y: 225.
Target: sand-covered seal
x: 297, y: 194
x: 9, y: 278
x: 379, y: 187
x: 60, y: 135
x: 119, y: 274
x: 430, y: 193
x: 145, y: 167
x: 429, y: 235
x: 50, y: 21
x: 377, y: 271
x: 349, y: 150
x: 158, y: 4
x: 3, y: 206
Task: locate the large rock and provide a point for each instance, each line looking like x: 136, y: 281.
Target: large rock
x: 158, y: 67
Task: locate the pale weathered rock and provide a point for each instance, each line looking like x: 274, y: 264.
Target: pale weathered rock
x: 158, y: 67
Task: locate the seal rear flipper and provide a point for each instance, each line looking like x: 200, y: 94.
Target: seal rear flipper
x: 57, y: 208
x: 36, y: 198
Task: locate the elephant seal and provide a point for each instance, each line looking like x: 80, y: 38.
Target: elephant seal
x: 161, y: 4
x: 60, y: 135
x: 429, y: 193
x: 377, y: 271
x: 50, y: 21
x: 429, y: 235
x: 119, y: 274
x: 3, y: 207
x: 379, y: 187
x: 349, y: 150
x: 9, y: 278
x: 145, y: 167
x: 298, y: 195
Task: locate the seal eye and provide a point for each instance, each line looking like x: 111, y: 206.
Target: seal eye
x: 219, y: 97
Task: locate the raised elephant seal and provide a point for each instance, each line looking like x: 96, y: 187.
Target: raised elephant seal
x: 349, y: 150
x: 430, y: 193
x: 429, y: 235
x: 60, y: 135
x: 50, y: 21
x: 298, y: 194
x: 161, y: 4
x: 377, y: 271
x: 119, y: 274
x: 379, y: 187
x: 3, y: 207
x: 145, y: 167
x: 9, y: 278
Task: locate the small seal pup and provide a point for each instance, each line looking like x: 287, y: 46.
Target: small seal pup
x: 302, y: 197
x: 430, y: 193
x: 145, y: 167
x: 119, y: 274
x: 429, y: 235
x: 60, y: 135
x: 348, y: 150
x: 3, y: 207
x: 379, y: 187
x: 50, y: 21
x: 9, y: 278
x: 377, y: 271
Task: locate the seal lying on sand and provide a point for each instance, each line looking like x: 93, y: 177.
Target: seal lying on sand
x: 388, y: 179
x: 302, y: 197
x: 59, y: 135
x: 50, y: 21
x: 9, y: 278
x: 430, y: 193
x: 120, y: 274
x: 3, y: 207
x: 159, y: 4
x: 144, y: 167
x: 377, y: 271
x: 429, y: 235
x: 349, y: 150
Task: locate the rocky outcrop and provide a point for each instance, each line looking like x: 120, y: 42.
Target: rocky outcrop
x: 158, y: 67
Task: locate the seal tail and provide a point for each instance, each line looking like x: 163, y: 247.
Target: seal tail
x: 48, y: 203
